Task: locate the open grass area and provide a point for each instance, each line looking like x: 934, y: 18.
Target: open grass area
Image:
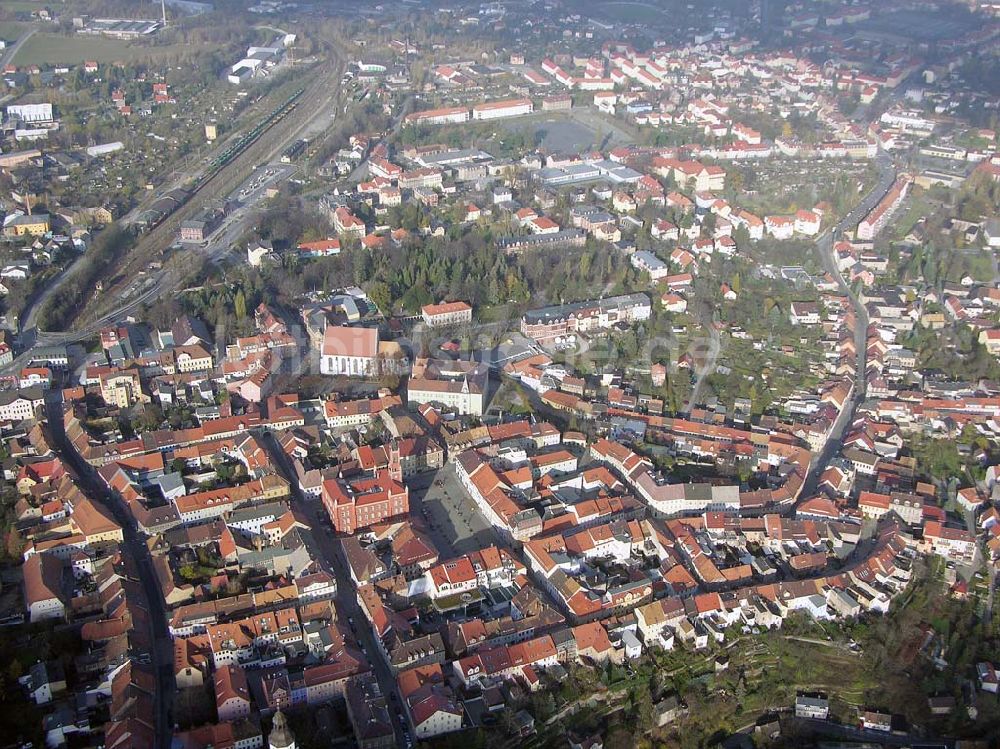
x: 795, y: 665
x: 633, y: 13
x: 11, y: 30
x: 913, y: 210
x: 50, y: 49
x: 977, y: 264
x: 21, y: 6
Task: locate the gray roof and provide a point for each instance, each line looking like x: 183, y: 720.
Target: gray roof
x: 254, y: 512
x: 560, y: 312
x: 811, y: 701
x: 31, y: 219
x: 31, y: 394
x: 169, y: 482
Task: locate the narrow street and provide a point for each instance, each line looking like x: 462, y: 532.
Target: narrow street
x: 361, y: 170
x: 878, y: 738
x: 991, y: 570
x: 707, y: 368
x: 11, y: 52
x: 134, y: 546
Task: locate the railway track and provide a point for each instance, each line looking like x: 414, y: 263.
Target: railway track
x: 224, y: 174
x: 233, y: 152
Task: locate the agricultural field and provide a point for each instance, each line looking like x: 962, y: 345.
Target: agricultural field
x: 49, y: 48
x: 20, y: 6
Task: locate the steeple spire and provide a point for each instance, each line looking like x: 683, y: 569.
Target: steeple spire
x: 280, y: 736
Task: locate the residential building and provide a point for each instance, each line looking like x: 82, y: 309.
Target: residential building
x: 497, y: 109
x: 121, y: 387
x: 17, y: 405
x: 448, y: 115
x: 879, y: 216
x: 815, y: 706
x: 34, y: 225
x: 44, y: 594
x: 548, y: 324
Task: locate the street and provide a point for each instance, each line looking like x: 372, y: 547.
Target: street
x: 881, y: 738
x: 824, y: 245
x: 360, y: 172
x: 135, y: 548
x: 11, y: 52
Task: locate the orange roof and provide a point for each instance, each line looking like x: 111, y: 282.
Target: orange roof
x: 592, y: 636
x: 323, y: 245
x: 453, y: 572
x: 708, y: 602
x: 444, y: 308
x: 501, y: 104
x: 350, y: 341
x: 532, y: 651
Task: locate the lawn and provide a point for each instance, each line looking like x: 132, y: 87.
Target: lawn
x: 918, y: 208
x: 44, y: 48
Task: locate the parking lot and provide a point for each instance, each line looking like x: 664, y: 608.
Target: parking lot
x: 573, y: 131
x: 452, y: 520
x: 253, y: 189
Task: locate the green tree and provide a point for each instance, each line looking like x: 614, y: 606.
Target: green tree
x: 642, y: 703
x: 381, y: 296
x: 240, y: 305
x: 14, y: 545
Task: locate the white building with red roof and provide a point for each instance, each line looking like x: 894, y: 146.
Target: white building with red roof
x: 350, y: 351
x: 446, y: 313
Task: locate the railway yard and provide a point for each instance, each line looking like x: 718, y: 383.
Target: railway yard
x: 303, y: 106
x: 223, y: 173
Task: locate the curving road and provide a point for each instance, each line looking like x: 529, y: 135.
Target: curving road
x: 824, y: 245
x: 11, y: 52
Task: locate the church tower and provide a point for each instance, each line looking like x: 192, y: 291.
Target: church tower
x: 280, y: 737
x: 395, y: 462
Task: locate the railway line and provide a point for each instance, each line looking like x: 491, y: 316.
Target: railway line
x: 220, y: 162
x: 237, y: 148
x: 267, y: 139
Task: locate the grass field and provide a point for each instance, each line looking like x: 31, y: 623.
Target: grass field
x: 633, y: 13
x: 57, y: 48
x: 11, y: 30
x: 918, y: 208
x: 21, y: 6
